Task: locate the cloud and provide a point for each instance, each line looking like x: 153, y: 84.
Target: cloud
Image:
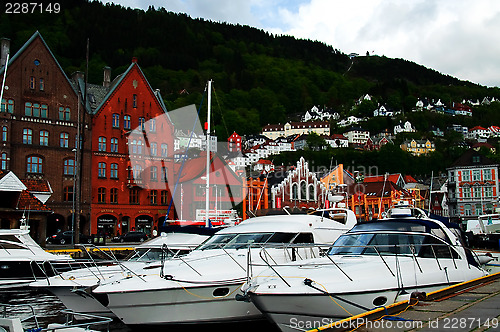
x: 457, y: 37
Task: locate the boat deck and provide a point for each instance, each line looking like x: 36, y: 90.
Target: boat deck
x: 474, y: 306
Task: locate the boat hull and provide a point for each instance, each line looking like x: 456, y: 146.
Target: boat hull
x: 182, y: 306
x: 78, y: 300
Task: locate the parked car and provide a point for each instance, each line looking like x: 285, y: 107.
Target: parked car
x: 65, y: 238
x: 134, y: 236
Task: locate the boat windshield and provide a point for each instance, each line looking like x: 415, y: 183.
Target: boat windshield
x: 391, y: 244
x: 244, y: 240
x: 154, y: 254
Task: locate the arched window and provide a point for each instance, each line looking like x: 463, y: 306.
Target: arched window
x: 5, y: 131
x: 303, y: 190
x: 312, y: 192
x: 295, y: 191
x: 101, y: 195
x: 113, y: 196
x: 3, y: 161
x: 114, y: 144
x: 34, y: 164
x: 113, y: 171
x: 126, y: 122
x: 102, y: 143
x: 164, y: 150
x: 101, y: 170
x: 116, y: 120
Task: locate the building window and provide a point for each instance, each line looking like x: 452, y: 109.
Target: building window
x: 312, y: 193
x: 64, y: 140
x: 32, y: 82
x: 113, y: 171
x: 3, y: 161
x: 116, y: 120
x: 154, y: 173
x: 34, y: 165
x: 7, y: 105
x: 465, y: 176
x: 466, y: 191
x: 5, y: 131
x: 64, y: 113
x: 139, y: 146
x: 152, y: 125
x: 44, y: 111
x: 69, y: 167
x: 42, y: 84
x: 101, y: 195
x: 153, y: 149
x: 134, y: 196
x: 113, y: 196
x: 134, y: 101
x: 164, y: 150
x: 102, y: 143
x: 28, y: 108
x: 164, y: 197
x: 467, y: 210
x: 126, y: 122
x: 488, y: 191
x: 141, y: 124
x: 487, y: 174
x: 68, y: 193
x: 476, y: 175
x: 295, y: 191
x: 44, y: 137
x: 153, y: 197
x: 101, y: 170
x: 114, y: 144
x: 137, y: 172
x: 27, y: 136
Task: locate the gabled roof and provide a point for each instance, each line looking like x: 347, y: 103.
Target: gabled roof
x: 26, y: 45
x: 472, y: 157
x: 10, y: 182
x: 116, y: 84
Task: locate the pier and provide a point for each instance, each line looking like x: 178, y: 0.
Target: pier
x: 469, y: 306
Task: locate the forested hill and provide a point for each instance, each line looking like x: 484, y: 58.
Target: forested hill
x: 259, y: 78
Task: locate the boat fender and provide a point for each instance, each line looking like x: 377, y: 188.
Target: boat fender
x: 420, y: 296
x: 242, y: 298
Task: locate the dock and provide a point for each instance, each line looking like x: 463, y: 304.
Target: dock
x: 470, y: 306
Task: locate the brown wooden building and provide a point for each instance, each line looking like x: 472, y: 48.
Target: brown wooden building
x: 39, y: 123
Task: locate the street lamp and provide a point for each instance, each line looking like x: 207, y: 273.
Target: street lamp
x: 74, y: 201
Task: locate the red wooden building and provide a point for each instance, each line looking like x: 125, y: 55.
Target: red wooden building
x: 132, y: 149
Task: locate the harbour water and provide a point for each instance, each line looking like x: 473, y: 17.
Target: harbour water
x: 48, y: 310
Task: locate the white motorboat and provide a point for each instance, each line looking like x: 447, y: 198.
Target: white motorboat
x: 374, y: 264
x: 23, y: 317
x: 23, y: 261
x: 70, y: 286
x: 201, y: 287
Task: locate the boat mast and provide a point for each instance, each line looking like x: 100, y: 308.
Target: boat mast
x: 207, y: 183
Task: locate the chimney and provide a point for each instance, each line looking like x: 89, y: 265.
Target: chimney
x: 4, y: 50
x: 106, y: 82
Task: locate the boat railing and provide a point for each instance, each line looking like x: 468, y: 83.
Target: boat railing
x: 31, y: 321
x: 416, y: 252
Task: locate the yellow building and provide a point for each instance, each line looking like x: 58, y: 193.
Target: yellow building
x: 418, y: 147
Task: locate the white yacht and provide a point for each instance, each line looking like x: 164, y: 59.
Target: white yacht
x: 70, y: 286
x: 374, y: 264
x: 23, y: 261
x: 201, y: 287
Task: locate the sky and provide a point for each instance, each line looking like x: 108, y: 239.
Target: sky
x: 460, y: 38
